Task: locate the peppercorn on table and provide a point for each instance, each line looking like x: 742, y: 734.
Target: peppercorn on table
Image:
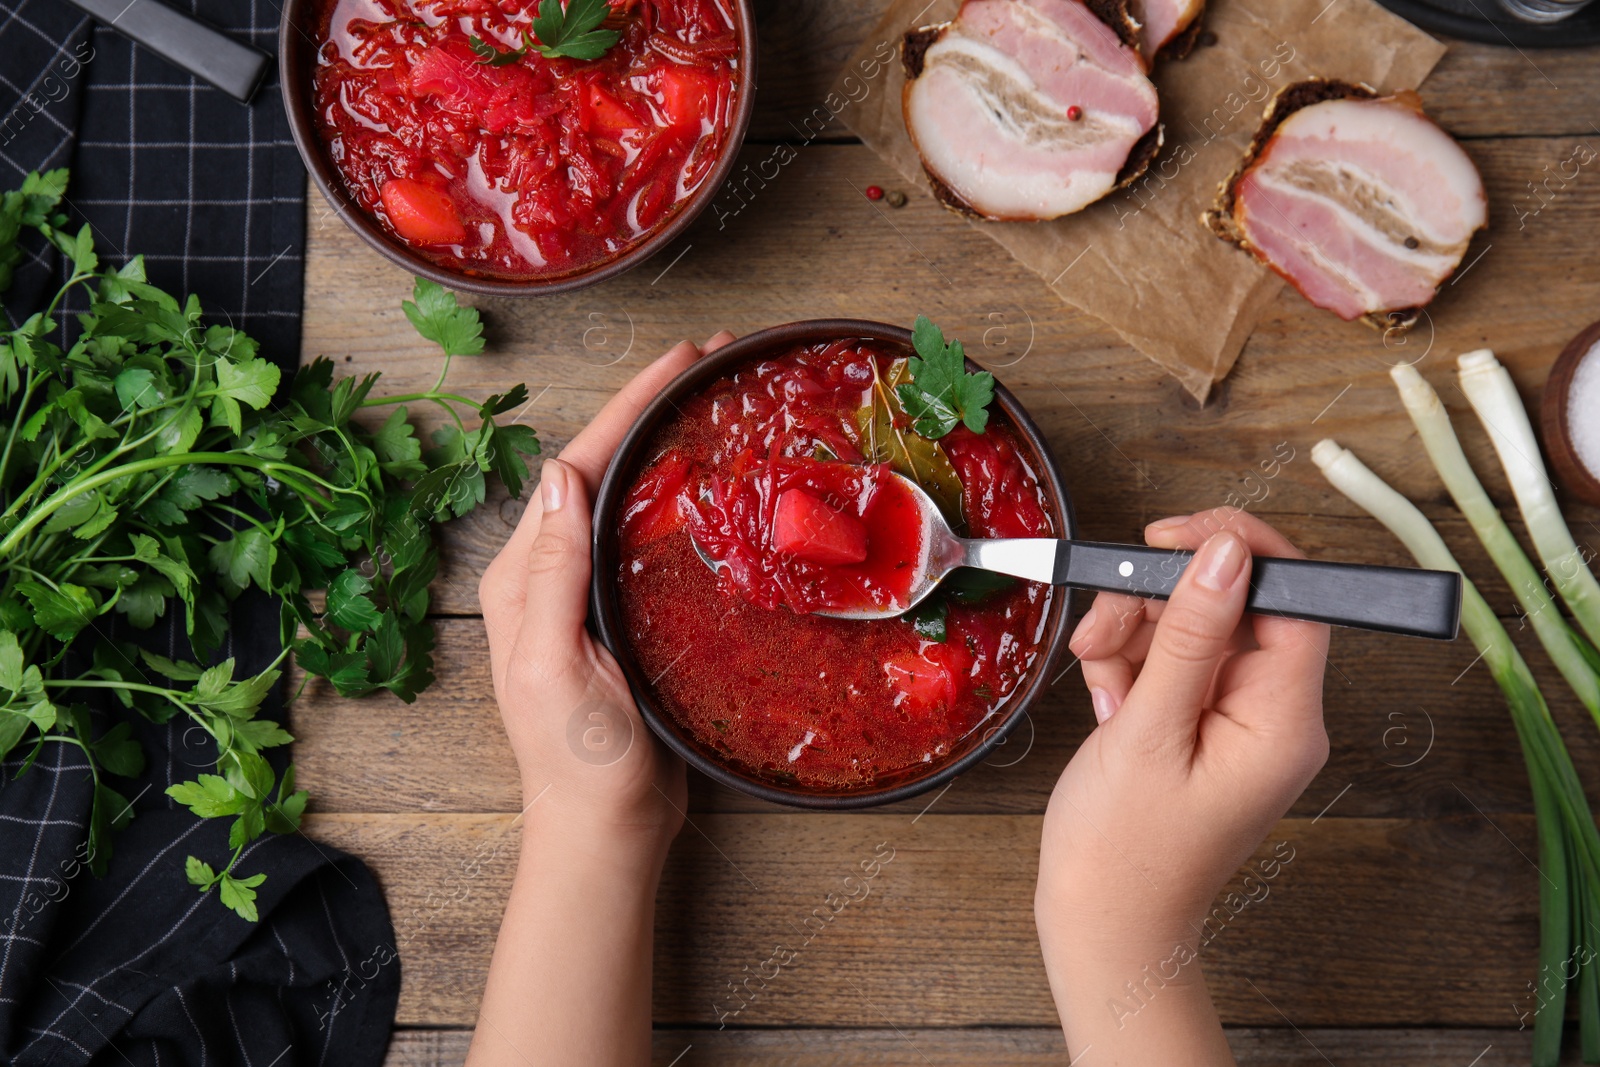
x: 1390, y: 918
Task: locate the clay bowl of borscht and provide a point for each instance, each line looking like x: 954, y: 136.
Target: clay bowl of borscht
x: 783, y: 431
x: 515, y: 147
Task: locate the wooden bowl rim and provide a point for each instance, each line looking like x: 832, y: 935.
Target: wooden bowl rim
x: 1554, y: 406
x: 297, y: 51
x: 606, y: 612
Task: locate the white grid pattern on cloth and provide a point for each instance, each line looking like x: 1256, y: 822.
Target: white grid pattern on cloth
x: 172, y: 931
x: 15, y: 923
x: 154, y: 133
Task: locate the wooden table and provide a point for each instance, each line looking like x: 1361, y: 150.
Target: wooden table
x: 1403, y: 932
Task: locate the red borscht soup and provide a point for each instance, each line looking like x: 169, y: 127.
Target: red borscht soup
x: 769, y: 471
x: 447, y: 124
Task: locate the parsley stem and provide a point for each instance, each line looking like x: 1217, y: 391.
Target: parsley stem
x: 77, y: 277
x: 80, y: 560
x: 16, y: 424
x: 155, y: 487
x: 305, y: 680
x: 69, y: 567
x: 99, y: 683
x: 433, y: 395
x: 247, y: 517
x: 122, y: 448
x: 141, y: 687
x: 43, y: 578
x: 132, y: 687
x: 411, y: 398
x: 286, y: 473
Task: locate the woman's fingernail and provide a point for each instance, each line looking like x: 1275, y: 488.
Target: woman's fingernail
x: 1105, y: 705
x: 1169, y: 522
x: 1085, y: 624
x: 1219, y: 562
x: 553, y: 484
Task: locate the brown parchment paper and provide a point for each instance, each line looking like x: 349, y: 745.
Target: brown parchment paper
x: 1141, y: 260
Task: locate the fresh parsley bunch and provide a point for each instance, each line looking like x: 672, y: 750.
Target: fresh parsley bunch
x: 156, y: 465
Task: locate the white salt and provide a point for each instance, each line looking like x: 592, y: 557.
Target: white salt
x: 1583, y: 410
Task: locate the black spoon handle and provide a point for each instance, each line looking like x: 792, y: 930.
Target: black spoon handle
x: 235, y: 68
x: 1396, y: 600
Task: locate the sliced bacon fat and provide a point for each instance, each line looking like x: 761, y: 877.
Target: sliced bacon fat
x: 1161, y: 21
x: 1364, y: 205
x: 987, y: 106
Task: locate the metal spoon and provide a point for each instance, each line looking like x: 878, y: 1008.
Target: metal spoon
x: 1398, y: 600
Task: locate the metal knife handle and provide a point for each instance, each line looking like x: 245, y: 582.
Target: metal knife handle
x: 236, y: 69
x: 1397, y: 600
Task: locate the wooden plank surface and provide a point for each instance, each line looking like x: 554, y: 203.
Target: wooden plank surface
x: 1015, y: 1047
x: 1476, y: 90
x: 1371, y: 922
x: 1410, y: 905
x: 1434, y: 746
x: 1133, y: 446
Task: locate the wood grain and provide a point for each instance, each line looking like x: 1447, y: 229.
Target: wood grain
x: 1417, y: 730
x: 1016, y: 1047
x: 1133, y: 446
x: 1477, y: 90
x: 1371, y: 922
x: 1410, y: 904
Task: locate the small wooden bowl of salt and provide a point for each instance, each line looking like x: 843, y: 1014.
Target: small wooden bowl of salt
x: 1570, y: 415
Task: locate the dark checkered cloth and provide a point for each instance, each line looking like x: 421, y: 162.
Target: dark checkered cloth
x: 136, y: 967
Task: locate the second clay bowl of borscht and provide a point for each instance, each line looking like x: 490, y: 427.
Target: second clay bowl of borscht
x: 512, y: 147
x: 757, y: 490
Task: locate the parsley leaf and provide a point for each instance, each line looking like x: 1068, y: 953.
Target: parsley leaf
x: 215, y: 488
x: 199, y: 872
x: 208, y: 796
x: 399, y: 451
x: 575, y: 32
x: 118, y: 752
x: 348, y: 603
x: 239, y: 894
x: 60, y: 612
x: 252, y: 382
x: 928, y: 618
x: 969, y: 585
x: 942, y: 392
x: 145, y: 600
x: 244, y: 558
x: 440, y: 317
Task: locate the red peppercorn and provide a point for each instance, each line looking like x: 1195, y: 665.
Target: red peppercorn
x: 1074, y: 113
x: 874, y: 192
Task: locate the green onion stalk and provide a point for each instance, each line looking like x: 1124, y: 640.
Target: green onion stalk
x: 1569, y: 844
x: 1494, y: 398
x: 1573, y: 656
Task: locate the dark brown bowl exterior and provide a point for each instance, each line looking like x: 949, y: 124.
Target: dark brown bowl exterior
x: 1570, y: 471
x: 606, y: 611
x: 298, y: 44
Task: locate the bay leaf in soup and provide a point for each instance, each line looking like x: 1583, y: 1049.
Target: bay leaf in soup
x: 922, y: 460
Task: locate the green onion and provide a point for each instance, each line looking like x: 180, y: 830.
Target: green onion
x: 1573, y: 656
x: 1569, y: 844
x: 1494, y: 397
